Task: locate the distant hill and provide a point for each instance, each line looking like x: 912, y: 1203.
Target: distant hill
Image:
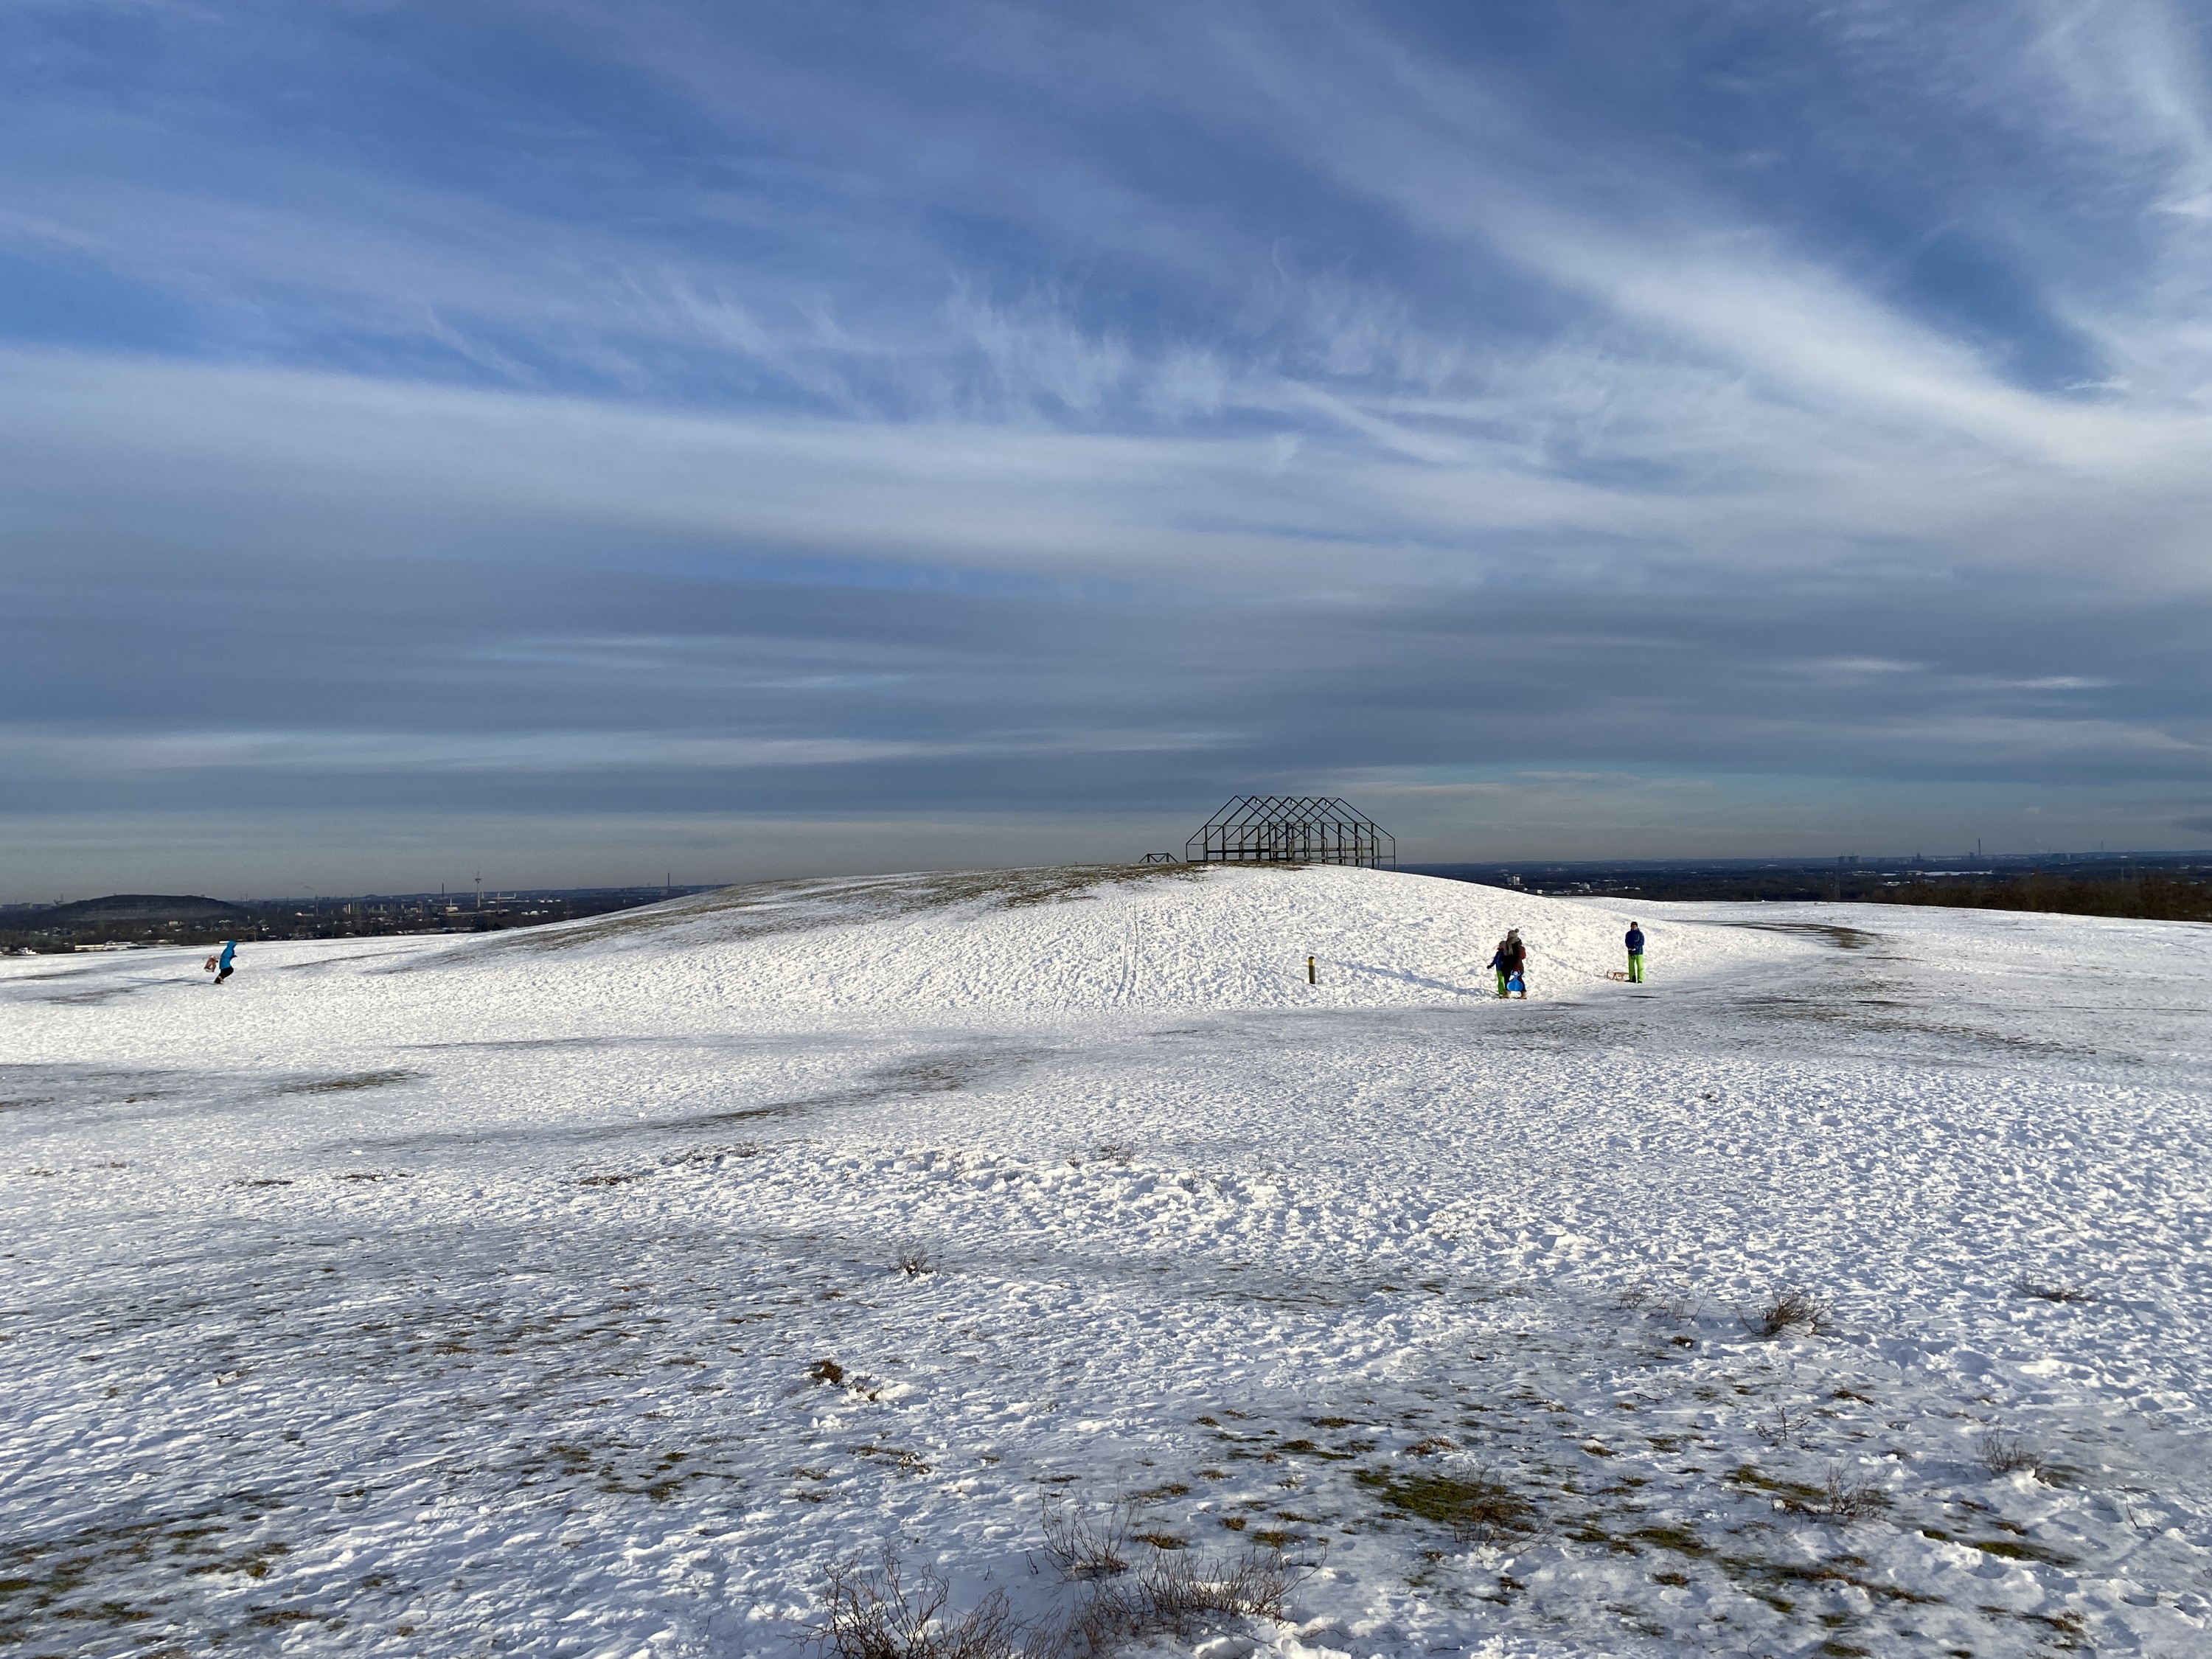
x: 130, y: 909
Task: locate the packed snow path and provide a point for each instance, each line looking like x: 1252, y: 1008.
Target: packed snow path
x: 458, y: 1296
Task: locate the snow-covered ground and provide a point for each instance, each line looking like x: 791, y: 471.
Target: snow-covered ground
x: 469, y: 1297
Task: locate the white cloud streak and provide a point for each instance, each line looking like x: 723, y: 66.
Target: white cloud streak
x: 323, y: 750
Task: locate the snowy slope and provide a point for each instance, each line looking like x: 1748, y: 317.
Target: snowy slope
x: 1054, y: 941
x: 468, y: 1296
x: 1000, y: 946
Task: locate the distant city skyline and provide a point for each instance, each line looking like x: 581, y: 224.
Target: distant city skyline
x: 1966, y: 860
x: 590, y: 441
x: 413, y: 909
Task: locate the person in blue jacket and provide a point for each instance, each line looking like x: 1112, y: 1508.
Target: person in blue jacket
x: 223, y: 969
x: 1635, y: 942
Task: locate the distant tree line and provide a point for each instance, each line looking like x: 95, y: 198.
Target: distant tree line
x: 78, y: 926
x: 2148, y: 898
x: 2151, y: 887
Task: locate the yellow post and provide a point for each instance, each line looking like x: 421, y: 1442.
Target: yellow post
x: 1311, y: 980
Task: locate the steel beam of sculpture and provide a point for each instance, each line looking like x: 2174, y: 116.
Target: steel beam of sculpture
x: 1292, y: 829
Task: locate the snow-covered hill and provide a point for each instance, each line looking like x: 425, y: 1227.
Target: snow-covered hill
x: 992, y: 948
x: 996, y: 946
x: 543, y: 1293
x: 1053, y: 941
x: 1027, y: 943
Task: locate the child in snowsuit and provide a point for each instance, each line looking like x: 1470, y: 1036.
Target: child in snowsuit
x: 1511, y: 961
x: 1635, y: 943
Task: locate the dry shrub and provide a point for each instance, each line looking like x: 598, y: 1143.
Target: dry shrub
x: 1846, y: 1499
x: 1787, y: 1310
x: 2006, y: 1453
x: 1781, y: 1429
x: 1659, y: 1304
x: 2027, y: 1287
x: 882, y: 1613
x: 891, y: 1611
x: 1177, y: 1593
x: 1182, y: 1591
x: 1133, y: 1588
x: 913, y: 1261
x: 1084, y: 1547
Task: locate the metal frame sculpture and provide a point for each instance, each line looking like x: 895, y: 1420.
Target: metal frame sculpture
x: 1291, y: 830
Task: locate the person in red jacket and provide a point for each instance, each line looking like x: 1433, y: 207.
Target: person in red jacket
x: 1511, y: 963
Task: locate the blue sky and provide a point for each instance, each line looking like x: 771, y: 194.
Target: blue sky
x: 583, y: 440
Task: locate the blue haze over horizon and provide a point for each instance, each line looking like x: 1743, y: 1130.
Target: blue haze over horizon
x: 580, y: 441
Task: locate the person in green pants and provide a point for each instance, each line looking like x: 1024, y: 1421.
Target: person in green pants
x: 1635, y: 942
x: 1511, y: 958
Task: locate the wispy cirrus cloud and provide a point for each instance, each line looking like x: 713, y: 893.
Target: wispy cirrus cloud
x: 763, y: 409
